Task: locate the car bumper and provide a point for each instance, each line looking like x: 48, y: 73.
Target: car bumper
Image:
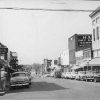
x: 24, y: 84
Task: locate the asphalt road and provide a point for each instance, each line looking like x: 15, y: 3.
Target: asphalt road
x: 55, y: 89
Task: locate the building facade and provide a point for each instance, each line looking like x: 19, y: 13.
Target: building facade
x: 76, y: 44
x: 47, y: 64
x: 95, y: 16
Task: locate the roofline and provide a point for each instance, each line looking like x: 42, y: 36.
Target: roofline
x: 79, y: 35
x: 94, y: 12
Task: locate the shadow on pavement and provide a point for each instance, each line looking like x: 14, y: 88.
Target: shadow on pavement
x: 38, y: 86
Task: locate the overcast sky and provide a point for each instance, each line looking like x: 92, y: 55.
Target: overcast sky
x: 39, y: 34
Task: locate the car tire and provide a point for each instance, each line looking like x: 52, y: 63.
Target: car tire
x: 87, y: 80
x: 95, y: 80
x: 27, y: 86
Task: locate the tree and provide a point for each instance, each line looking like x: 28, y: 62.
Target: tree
x: 37, y: 67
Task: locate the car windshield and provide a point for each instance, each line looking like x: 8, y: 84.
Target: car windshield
x: 18, y: 74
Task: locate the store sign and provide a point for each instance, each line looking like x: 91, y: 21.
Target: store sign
x: 79, y: 54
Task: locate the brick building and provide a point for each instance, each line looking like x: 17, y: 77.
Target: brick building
x: 76, y: 43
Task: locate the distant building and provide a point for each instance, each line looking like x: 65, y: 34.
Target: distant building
x: 47, y: 64
x: 77, y: 43
x: 64, y: 58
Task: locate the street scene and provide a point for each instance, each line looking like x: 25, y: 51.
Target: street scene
x: 49, y: 50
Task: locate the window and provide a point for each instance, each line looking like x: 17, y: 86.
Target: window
x: 97, y: 20
x: 97, y: 33
x: 98, y: 53
x: 94, y: 34
x: 93, y: 22
x: 95, y: 54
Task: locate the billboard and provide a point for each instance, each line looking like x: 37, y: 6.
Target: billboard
x: 79, y: 54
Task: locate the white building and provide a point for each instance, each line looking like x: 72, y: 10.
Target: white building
x: 95, y: 16
x: 64, y: 58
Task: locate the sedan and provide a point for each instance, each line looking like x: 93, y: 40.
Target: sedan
x: 20, y: 79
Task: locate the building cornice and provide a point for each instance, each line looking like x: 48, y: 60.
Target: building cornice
x: 95, y: 12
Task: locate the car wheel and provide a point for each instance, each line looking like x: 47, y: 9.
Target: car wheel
x: 95, y: 80
x: 86, y: 80
x: 27, y: 86
x: 30, y: 83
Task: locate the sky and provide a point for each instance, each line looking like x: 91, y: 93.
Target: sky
x: 38, y: 34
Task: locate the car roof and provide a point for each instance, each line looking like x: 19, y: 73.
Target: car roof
x: 20, y: 72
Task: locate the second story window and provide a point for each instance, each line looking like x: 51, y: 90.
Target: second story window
x: 97, y: 20
x: 94, y: 34
x: 97, y: 33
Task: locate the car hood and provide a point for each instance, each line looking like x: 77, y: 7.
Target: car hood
x: 19, y: 78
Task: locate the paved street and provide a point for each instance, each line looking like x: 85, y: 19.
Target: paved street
x: 56, y: 89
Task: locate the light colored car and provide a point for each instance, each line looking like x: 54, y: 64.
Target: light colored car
x: 80, y: 75
x: 63, y: 75
x: 20, y: 79
x: 67, y: 75
x: 96, y: 77
x: 73, y: 75
x: 89, y: 76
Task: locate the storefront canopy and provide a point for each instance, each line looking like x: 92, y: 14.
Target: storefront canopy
x: 94, y: 62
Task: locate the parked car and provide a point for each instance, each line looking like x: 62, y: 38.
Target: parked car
x: 57, y: 74
x: 93, y: 76
x: 67, y: 75
x: 73, y: 75
x: 89, y: 76
x: 63, y: 75
x: 96, y: 77
x: 80, y: 75
x: 20, y: 79
x: 30, y: 77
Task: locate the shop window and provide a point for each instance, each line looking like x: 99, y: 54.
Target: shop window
x: 98, y: 53
x: 97, y: 20
x: 95, y: 54
x: 93, y: 22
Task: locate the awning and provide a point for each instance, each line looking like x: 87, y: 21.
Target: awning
x: 94, y: 62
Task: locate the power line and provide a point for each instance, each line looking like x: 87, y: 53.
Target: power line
x: 46, y: 9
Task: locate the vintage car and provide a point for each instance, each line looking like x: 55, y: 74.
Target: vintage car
x: 89, y: 76
x: 73, y: 75
x: 80, y: 76
x: 96, y: 77
x: 63, y: 75
x: 20, y: 79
